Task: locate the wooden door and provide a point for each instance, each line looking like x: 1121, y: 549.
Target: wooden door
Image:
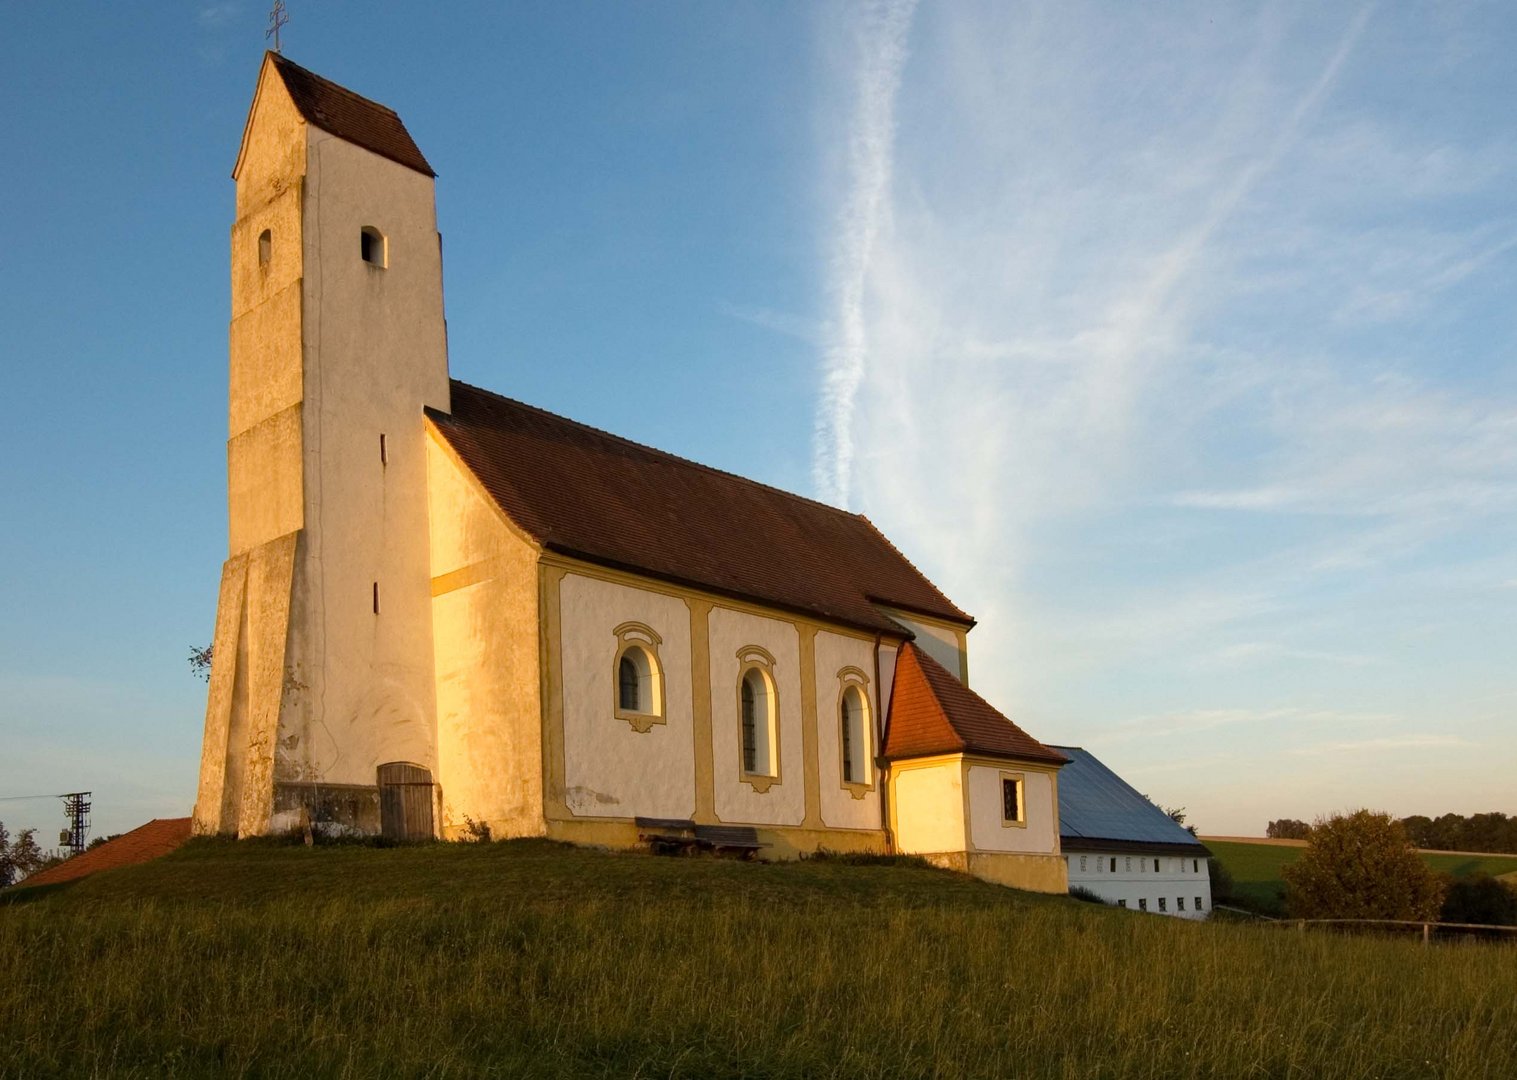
x: 405, y: 801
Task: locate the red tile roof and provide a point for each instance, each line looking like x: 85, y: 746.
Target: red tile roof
x: 158, y: 837
x: 584, y: 493
x: 339, y: 111
x: 932, y: 712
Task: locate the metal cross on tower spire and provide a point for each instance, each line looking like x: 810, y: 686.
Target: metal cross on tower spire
x: 277, y: 18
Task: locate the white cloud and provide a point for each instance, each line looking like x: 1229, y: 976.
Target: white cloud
x: 1422, y: 741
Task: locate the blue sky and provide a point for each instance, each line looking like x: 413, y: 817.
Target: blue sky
x: 1174, y: 343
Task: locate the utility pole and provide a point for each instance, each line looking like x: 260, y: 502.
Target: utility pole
x: 76, y: 807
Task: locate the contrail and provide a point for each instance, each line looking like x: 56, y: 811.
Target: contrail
x: 882, y: 36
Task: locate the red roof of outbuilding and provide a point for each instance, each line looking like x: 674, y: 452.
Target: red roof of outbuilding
x: 932, y: 712
x: 158, y: 837
x: 584, y: 493
x: 339, y: 111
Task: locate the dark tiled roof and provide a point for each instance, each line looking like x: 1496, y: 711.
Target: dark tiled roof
x: 584, y: 493
x: 932, y: 712
x: 158, y: 837
x: 339, y: 111
x: 1096, y: 805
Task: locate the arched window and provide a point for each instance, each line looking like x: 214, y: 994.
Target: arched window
x: 265, y: 247
x: 855, y: 748
x: 758, y: 720
x: 372, y: 247
x: 637, y: 679
x: 634, y: 681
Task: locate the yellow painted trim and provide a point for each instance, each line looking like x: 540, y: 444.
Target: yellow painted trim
x: 1021, y: 781
x: 464, y: 576
x: 700, y: 708
x: 1053, y: 787
x: 780, y: 841
x: 852, y: 678
x: 636, y: 635
x: 755, y: 658
x: 811, y: 775
x: 665, y: 588
x: 552, y: 667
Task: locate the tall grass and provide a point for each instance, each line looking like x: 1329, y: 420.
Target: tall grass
x: 535, y: 960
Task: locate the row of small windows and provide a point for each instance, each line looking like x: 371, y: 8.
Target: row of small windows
x: 1102, y: 864
x: 373, y: 248
x: 639, y: 700
x: 1164, y: 904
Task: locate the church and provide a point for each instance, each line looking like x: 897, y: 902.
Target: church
x: 448, y: 613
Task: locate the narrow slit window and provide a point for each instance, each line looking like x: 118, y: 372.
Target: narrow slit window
x: 265, y: 247
x: 376, y: 598
x: 384, y: 457
x: 1011, y: 802
x: 372, y: 247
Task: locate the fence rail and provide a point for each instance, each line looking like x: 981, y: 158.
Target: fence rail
x: 1426, y: 927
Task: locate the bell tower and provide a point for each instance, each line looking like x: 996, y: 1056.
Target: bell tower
x: 323, y: 665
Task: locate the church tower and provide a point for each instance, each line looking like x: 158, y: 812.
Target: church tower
x: 322, y: 699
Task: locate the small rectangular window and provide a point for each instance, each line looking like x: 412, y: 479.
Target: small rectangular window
x: 1113, y: 864
x: 1198, y: 904
x: 1082, y: 863
x: 1163, y: 903
x: 1195, y: 866
x: 376, y: 598
x: 1179, y: 903
x: 1128, y: 864
x: 1156, y: 866
x: 1143, y: 904
x: 1011, y: 799
x: 1121, y: 903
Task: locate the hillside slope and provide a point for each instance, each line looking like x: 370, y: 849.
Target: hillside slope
x: 538, y: 960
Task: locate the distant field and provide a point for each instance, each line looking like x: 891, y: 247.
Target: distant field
x: 531, y: 959
x: 1256, y: 867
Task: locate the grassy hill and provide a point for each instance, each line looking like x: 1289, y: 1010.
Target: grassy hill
x: 1258, y: 883
x: 529, y: 958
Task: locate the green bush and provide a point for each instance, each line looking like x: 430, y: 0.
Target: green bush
x: 1480, y: 898
x: 1361, y: 866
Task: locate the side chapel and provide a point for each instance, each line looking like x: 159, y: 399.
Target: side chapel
x: 443, y: 608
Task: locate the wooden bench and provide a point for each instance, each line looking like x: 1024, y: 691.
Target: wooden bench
x: 666, y: 836
x: 740, y: 840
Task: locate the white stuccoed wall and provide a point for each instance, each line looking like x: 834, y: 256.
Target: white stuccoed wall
x: 611, y: 770
x: 737, y: 802
x: 987, y: 832
x: 840, y: 810
x: 1178, y: 877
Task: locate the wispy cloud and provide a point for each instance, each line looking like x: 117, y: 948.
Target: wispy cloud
x: 1188, y: 368
x: 1422, y: 741
x: 882, y: 33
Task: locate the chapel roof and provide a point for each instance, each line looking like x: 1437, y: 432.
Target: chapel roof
x: 932, y: 712
x: 588, y: 494
x: 1098, y: 810
x: 338, y: 111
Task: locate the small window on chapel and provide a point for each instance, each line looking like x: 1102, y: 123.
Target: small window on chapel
x: 1013, y: 809
x: 371, y: 246
x: 265, y: 247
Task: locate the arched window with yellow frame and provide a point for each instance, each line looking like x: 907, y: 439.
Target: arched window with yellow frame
x: 758, y: 719
x: 637, y: 677
x: 855, y: 729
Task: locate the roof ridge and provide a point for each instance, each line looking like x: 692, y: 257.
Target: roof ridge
x: 280, y: 60
x: 686, y: 461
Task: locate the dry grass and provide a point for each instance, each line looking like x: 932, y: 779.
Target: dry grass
x: 535, y: 960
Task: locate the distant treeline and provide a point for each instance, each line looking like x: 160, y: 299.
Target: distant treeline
x: 1494, y: 832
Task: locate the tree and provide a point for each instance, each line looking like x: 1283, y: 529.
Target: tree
x: 1288, y: 829
x: 1361, y: 866
x: 1480, y: 898
x: 19, y: 857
